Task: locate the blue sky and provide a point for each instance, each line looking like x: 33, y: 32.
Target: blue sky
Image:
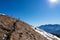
x: 33, y: 12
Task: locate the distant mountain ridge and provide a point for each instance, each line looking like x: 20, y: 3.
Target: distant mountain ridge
x: 51, y: 28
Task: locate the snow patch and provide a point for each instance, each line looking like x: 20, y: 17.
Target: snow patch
x: 2, y: 14
x: 45, y: 34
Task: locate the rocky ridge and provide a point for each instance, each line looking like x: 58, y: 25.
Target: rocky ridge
x: 13, y: 29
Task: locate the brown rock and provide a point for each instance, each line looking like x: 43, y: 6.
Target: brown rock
x: 12, y: 29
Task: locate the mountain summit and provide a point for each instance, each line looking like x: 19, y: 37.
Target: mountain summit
x: 13, y: 29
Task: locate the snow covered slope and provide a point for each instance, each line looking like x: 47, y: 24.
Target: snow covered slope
x: 45, y: 34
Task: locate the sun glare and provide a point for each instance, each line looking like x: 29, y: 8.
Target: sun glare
x: 53, y: 1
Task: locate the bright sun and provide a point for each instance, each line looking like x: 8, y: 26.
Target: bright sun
x: 53, y: 1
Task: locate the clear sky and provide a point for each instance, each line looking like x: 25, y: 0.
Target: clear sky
x: 33, y: 12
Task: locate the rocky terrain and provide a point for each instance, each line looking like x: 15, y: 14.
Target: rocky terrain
x: 13, y: 29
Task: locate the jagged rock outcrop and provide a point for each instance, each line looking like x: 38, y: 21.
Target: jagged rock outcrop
x: 12, y: 29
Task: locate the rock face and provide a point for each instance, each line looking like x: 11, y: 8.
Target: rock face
x: 12, y: 29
